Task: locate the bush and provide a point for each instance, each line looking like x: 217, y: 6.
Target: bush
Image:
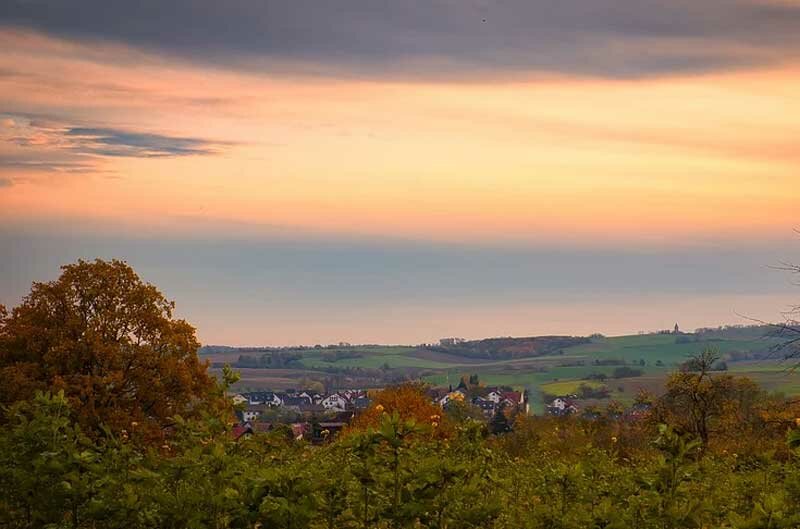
x: 626, y: 372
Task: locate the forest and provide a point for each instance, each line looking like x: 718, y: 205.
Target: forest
x: 110, y: 420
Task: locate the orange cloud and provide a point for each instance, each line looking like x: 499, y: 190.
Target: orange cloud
x: 551, y: 158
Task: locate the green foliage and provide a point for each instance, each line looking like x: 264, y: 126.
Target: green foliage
x: 547, y: 473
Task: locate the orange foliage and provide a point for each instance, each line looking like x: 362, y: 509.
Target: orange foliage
x: 409, y: 401
x: 109, y: 340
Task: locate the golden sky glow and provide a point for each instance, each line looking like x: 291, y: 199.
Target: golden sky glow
x: 547, y: 158
x: 304, y: 172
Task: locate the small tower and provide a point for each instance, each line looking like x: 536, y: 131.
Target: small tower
x: 677, y: 329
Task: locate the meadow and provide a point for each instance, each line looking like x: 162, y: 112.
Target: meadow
x: 747, y: 351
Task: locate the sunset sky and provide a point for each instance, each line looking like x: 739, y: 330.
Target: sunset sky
x: 300, y: 172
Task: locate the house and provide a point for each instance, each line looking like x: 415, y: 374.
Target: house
x: 335, y: 402
x: 241, y: 431
x: 495, y: 396
x: 262, y: 397
x: 562, y: 406
x: 488, y: 407
x: 513, y: 398
x: 295, y: 402
x: 253, y: 412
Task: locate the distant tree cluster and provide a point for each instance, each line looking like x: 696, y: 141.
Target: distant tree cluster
x: 586, y: 391
x: 271, y: 360
x: 608, y: 362
x: 508, y: 348
x: 341, y: 354
x: 626, y: 372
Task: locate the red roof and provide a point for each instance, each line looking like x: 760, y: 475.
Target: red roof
x: 239, y: 430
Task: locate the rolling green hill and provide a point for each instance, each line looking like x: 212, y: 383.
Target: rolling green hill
x: 549, y: 365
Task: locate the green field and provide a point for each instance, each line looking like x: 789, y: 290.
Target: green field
x: 655, y: 355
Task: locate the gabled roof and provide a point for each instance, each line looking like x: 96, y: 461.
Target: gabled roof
x: 295, y: 401
x: 240, y: 430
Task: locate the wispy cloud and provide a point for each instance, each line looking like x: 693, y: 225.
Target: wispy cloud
x: 55, y: 165
x: 117, y: 142
x: 100, y: 141
x: 44, y: 144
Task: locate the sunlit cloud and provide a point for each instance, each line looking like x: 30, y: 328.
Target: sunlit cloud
x: 665, y: 160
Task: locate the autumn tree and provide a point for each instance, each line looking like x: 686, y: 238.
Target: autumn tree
x: 111, y: 343
x: 408, y: 401
x: 699, y: 402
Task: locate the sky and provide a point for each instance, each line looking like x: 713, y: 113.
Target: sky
x: 396, y: 172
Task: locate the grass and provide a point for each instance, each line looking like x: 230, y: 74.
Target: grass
x: 375, y: 361
x: 568, y: 386
x: 661, y: 347
x: 660, y: 354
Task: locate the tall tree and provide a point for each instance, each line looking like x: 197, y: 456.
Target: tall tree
x: 700, y: 402
x: 111, y: 343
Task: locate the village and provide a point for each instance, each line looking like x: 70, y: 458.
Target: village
x: 318, y: 417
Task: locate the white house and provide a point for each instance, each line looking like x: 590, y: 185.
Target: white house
x: 494, y: 396
x: 561, y: 406
x: 263, y: 397
x: 335, y: 402
x: 251, y: 415
x: 274, y: 401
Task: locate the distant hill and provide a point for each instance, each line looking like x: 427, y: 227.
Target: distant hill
x: 540, y: 364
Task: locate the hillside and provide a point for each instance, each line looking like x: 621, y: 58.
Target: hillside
x: 546, y: 365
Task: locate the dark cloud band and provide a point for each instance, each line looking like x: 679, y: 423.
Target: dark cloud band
x: 438, y: 37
